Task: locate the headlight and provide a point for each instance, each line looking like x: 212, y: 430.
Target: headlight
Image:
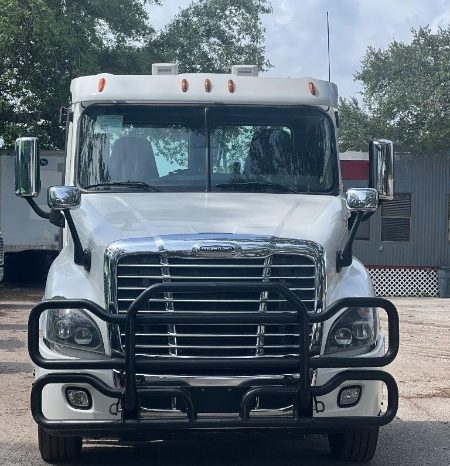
x: 70, y: 331
x: 356, y: 328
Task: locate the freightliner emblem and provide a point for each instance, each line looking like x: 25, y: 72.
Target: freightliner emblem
x: 216, y: 248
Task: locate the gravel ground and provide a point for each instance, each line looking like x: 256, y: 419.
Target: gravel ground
x: 420, y: 435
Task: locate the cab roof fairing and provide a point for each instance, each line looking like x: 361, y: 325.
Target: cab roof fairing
x: 168, y: 89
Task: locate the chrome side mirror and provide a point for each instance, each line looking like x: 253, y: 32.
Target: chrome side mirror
x: 26, y: 168
x: 362, y: 200
x: 381, y: 177
x: 63, y: 197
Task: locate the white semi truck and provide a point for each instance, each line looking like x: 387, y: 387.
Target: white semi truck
x: 206, y: 280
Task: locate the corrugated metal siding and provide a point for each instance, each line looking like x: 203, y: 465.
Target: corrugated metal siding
x: 428, y: 181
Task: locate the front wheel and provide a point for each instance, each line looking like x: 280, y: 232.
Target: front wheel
x: 56, y: 449
x: 358, y: 446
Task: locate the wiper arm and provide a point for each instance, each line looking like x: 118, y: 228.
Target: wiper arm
x: 256, y: 184
x: 127, y: 184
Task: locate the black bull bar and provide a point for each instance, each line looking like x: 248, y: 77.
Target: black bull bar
x: 303, y: 392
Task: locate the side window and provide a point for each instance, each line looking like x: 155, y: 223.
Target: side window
x: 396, y: 218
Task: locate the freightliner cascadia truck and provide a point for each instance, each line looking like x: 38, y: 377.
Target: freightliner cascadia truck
x: 206, y: 281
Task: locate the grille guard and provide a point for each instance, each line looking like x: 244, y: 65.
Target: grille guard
x: 129, y: 396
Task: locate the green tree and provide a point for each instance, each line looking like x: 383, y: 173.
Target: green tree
x: 213, y: 35
x: 406, y: 95
x: 44, y: 44
x: 354, y: 131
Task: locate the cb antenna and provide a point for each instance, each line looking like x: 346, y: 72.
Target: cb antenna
x: 328, y: 46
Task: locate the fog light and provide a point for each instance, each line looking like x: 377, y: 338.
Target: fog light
x: 78, y: 398
x: 349, y: 396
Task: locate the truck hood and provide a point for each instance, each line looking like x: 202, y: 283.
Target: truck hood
x: 106, y: 217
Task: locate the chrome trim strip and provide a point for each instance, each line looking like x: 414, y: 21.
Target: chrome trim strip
x: 177, y: 300
x: 216, y: 381
x: 187, y: 277
x: 248, y: 266
x: 275, y: 356
x: 218, y: 335
x: 214, y: 346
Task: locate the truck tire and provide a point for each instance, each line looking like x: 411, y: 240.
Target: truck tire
x: 56, y: 449
x: 357, y: 446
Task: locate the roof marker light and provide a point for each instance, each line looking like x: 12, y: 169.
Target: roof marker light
x: 312, y: 88
x: 231, y: 86
x: 101, y: 84
x: 208, y: 85
x: 184, y: 85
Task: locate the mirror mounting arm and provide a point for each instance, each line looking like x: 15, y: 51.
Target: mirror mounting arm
x: 344, y: 258
x: 37, y: 210
x: 80, y: 256
x: 55, y: 218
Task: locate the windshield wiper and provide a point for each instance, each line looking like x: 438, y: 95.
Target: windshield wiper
x: 126, y: 184
x: 258, y: 185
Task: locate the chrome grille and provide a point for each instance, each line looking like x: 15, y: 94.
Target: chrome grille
x: 136, y: 272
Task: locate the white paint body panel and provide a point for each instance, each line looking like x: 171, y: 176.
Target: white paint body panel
x: 167, y: 89
x: 107, y: 217
x: 22, y: 229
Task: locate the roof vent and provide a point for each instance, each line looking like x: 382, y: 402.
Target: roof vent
x: 244, y: 70
x: 164, y: 68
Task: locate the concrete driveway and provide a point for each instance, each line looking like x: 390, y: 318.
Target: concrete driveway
x: 419, y: 436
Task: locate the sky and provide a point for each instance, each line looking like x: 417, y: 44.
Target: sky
x: 296, y: 39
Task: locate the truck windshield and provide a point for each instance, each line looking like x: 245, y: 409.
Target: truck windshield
x: 196, y: 148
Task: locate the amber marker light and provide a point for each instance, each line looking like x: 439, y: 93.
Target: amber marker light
x: 312, y: 88
x: 184, y: 85
x: 101, y: 84
x: 208, y: 85
x: 231, y: 86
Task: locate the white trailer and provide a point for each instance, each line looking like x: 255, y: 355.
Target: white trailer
x: 23, y: 231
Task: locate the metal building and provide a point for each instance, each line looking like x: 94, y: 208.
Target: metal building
x: 407, y: 240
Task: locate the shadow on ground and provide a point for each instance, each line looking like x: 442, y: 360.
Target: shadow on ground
x: 401, y: 443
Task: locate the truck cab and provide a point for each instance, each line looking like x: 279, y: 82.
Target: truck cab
x: 206, y: 280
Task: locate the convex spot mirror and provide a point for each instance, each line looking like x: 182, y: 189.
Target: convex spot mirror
x: 362, y: 199
x: 26, y: 167
x: 381, y: 176
x: 63, y: 197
